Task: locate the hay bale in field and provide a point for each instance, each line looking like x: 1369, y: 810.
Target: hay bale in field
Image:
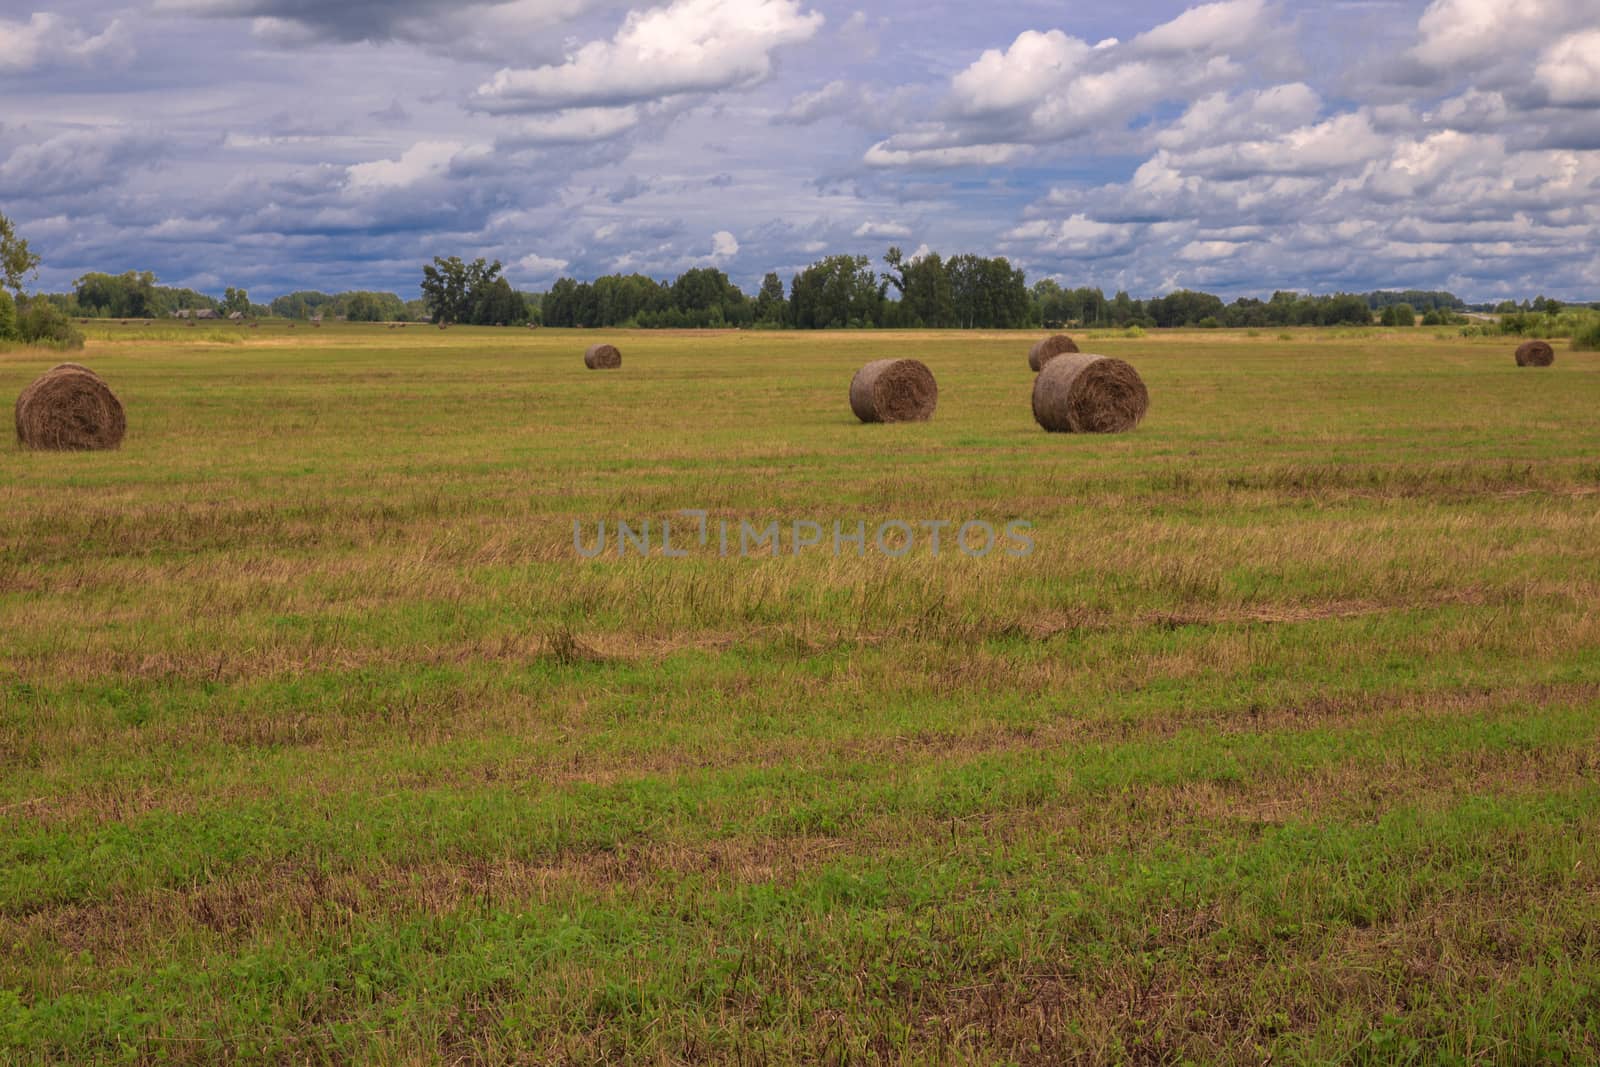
x: 1084, y: 393
x: 1536, y: 354
x: 70, y: 409
x: 603, y: 357
x: 1048, y: 349
x: 894, y: 390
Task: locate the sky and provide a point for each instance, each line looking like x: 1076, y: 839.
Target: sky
x: 1239, y: 147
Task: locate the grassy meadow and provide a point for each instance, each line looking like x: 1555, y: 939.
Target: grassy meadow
x: 320, y: 743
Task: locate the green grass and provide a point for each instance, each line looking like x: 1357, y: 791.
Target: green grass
x: 320, y: 743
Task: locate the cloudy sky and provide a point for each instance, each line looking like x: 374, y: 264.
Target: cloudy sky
x: 1237, y: 146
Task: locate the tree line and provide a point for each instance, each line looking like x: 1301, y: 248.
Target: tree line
x: 838, y: 292
x: 924, y: 291
x: 961, y: 292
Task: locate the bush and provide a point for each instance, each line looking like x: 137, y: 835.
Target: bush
x: 1209, y: 323
x: 1133, y: 332
x: 1587, y: 337
x: 8, y: 317
x: 42, y: 323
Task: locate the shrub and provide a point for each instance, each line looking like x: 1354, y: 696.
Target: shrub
x: 1587, y: 337
x: 1133, y: 332
x: 8, y: 317
x: 1209, y: 323
x: 42, y: 323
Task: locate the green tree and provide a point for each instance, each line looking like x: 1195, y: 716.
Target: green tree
x: 130, y: 295
x: 300, y: 305
x: 837, y: 292
x: 17, y: 262
x: 561, y: 303
x: 988, y: 293
x: 499, y: 305
x: 926, y: 297
x: 235, y: 300
x: 1398, y: 315
x: 8, y: 317
x: 772, y: 307
x: 453, y: 288
x: 363, y: 307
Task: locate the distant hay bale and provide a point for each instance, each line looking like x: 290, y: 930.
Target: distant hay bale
x: 70, y: 409
x: 1536, y: 354
x: 603, y: 357
x: 1083, y: 393
x: 894, y: 390
x: 1048, y: 349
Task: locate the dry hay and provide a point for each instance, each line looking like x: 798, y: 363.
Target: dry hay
x: 1083, y: 393
x: 1536, y: 354
x: 603, y: 357
x: 894, y: 390
x: 1048, y: 349
x: 70, y: 409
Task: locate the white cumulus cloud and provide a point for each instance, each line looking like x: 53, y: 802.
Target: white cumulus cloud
x: 47, y: 40
x: 1569, y: 70
x: 425, y: 159
x: 689, y: 46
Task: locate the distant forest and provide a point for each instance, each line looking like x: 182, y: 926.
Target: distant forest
x: 839, y: 292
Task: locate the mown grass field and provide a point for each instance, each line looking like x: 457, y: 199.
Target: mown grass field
x: 319, y: 743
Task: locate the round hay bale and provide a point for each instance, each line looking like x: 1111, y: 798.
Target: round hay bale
x: 1084, y: 393
x: 1048, y: 349
x: 603, y: 357
x: 894, y: 390
x: 1536, y: 354
x: 70, y: 409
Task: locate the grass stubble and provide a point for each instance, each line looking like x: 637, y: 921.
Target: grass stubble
x: 319, y: 742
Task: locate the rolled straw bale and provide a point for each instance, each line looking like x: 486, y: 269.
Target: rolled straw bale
x: 1049, y: 349
x: 1536, y: 354
x: 894, y: 390
x: 70, y: 409
x: 1085, y: 393
x: 603, y: 357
